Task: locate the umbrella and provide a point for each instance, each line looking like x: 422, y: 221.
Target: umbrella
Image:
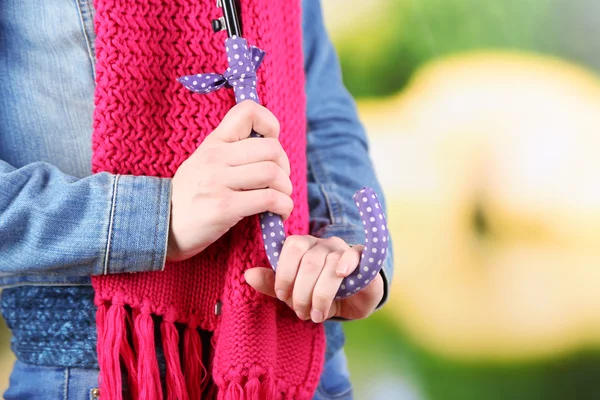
x: 244, y: 60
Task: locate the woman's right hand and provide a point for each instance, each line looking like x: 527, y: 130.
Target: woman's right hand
x: 230, y: 176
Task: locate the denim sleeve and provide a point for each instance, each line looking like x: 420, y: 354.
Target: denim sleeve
x: 337, y: 147
x: 53, y: 223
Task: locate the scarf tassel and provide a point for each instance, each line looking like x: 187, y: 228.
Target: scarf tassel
x: 129, y: 359
x: 110, y: 320
x: 140, y: 362
x: 147, y: 366
x: 176, y: 386
x: 195, y: 373
x: 253, y: 389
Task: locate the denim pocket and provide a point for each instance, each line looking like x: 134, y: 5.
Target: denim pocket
x: 335, y: 381
x: 29, y: 382
x: 322, y: 394
x: 86, y: 17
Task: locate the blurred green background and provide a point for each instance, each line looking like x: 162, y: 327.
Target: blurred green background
x: 391, y: 39
x: 483, y: 117
x: 421, y: 70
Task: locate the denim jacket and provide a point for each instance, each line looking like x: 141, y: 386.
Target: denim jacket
x: 59, y: 224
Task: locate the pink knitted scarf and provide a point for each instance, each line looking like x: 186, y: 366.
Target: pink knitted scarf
x: 146, y: 123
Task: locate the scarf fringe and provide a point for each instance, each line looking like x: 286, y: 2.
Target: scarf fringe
x: 118, y: 329
x: 186, y: 375
x: 110, y: 321
x: 148, y: 373
x: 253, y: 389
x: 129, y: 358
x: 195, y: 373
x: 176, y: 385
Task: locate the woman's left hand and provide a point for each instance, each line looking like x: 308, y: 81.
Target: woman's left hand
x: 309, y: 274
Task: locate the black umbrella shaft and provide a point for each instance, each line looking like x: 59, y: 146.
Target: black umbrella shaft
x: 232, y: 20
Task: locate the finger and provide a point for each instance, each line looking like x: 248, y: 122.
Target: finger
x: 242, y: 119
x: 335, y: 309
x: 292, y: 252
x: 349, y: 261
x: 253, y: 202
x: 361, y: 304
x: 255, y: 150
x: 260, y: 175
x: 262, y: 280
x: 326, y: 287
x: 308, y: 274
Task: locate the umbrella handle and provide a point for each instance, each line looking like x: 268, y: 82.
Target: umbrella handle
x: 273, y: 232
x: 375, y: 248
x: 243, y: 61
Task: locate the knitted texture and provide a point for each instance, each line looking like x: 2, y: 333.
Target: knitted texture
x: 146, y: 123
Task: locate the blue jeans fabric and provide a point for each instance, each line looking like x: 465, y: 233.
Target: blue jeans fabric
x: 55, y: 216
x: 29, y: 382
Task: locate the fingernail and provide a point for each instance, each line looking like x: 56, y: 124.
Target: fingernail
x: 281, y: 294
x: 316, y: 316
x: 343, y: 270
x: 301, y: 316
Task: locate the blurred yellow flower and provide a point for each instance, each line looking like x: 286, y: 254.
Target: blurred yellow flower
x: 492, y: 171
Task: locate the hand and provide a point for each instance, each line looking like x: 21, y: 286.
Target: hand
x: 309, y: 274
x: 229, y: 177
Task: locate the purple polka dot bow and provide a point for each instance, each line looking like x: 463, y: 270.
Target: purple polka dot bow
x: 243, y: 62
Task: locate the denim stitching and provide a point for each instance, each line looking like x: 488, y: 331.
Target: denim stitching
x: 316, y: 173
x: 91, y: 11
x: 156, y: 224
x: 170, y: 194
x: 45, y: 283
x: 66, y: 385
x: 335, y: 206
x: 87, y: 39
x: 328, y: 202
x: 110, y: 223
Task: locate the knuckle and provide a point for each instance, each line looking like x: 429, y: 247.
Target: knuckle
x: 209, y: 182
x: 336, y: 242
x: 289, y: 187
x: 283, y: 281
x: 296, y: 245
x: 289, y: 206
x: 247, y: 108
x: 301, y: 303
x: 321, y: 298
x: 213, y: 154
x: 270, y: 198
x: 293, y: 240
x: 310, y: 264
x: 272, y: 148
x: 271, y: 171
x: 224, y: 202
x: 276, y: 125
x: 333, y: 258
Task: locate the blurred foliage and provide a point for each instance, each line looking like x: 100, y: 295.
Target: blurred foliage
x: 439, y: 378
x: 380, y: 49
x: 403, y: 35
x: 6, y: 356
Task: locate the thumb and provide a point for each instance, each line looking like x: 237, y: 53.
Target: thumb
x: 242, y: 119
x: 262, y: 280
x: 335, y: 309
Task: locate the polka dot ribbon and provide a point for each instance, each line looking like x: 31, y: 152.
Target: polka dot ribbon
x: 243, y: 62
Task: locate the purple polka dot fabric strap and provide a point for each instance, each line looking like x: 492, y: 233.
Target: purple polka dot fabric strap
x: 376, y: 243
x: 244, y: 61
